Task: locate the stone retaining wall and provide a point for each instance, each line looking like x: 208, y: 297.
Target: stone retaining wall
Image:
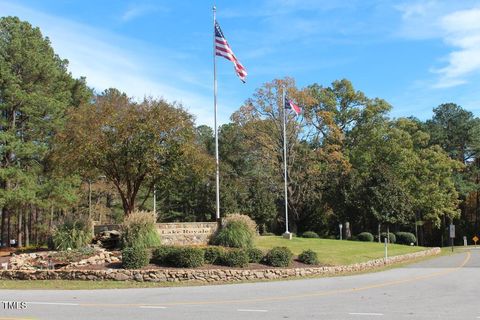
x: 207, y: 276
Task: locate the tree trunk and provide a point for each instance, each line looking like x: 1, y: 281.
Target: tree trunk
x: 50, y: 222
x: 27, y: 224
x: 379, y: 233
x: 8, y: 229
x: 2, y: 229
x: 20, y: 228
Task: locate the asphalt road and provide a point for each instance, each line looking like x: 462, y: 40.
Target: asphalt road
x: 447, y: 287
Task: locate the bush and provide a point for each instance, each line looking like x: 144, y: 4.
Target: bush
x: 365, y: 236
x: 308, y: 257
x: 392, y: 238
x: 279, y: 257
x: 160, y: 255
x: 71, y: 235
x: 135, y: 258
x: 186, y: 257
x: 235, y: 258
x: 310, y: 234
x: 255, y: 255
x: 212, y: 254
x: 405, y: 238
x: 235, y: 234
x: 252, y: 226
x: 139, y: 230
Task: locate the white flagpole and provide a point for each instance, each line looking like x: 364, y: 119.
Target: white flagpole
x: 217, y: 170
x: 287, y: 233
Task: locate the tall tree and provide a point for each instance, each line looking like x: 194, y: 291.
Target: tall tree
x: 35, y: 91
x: 132, y: 144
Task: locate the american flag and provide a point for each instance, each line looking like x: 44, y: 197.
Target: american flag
x: 222, y: 49
x: 289, y: 104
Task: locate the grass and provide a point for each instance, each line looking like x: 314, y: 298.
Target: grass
x: 84, y: 285
x: 336, y: 252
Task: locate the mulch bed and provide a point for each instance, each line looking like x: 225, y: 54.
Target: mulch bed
x: 5, y: 257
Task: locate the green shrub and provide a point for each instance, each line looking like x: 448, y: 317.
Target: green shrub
x: 139, y: 230
x: 391, y: 235
x: 255, y: 255
x: 160, y: 255
x: 243, y: 218
x: 186, y: 257
x: 71, y: 235
x: 235, y: 234
x: 365, y: 236
x: 405, y: 238
x: 279, y: 257
x: 235, y: 258
x: 135, y: 258
x: 308, y: 257
x: 310, y: 234
x: 212, y: 254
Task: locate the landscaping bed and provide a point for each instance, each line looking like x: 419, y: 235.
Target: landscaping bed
x: 206, y: 274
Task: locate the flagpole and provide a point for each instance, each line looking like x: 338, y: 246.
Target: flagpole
x: 217, y: 170
x: 287, y: 233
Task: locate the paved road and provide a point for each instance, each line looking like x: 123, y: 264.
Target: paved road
x: 442, y: 288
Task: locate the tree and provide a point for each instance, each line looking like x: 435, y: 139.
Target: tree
x: 457, y: 132
x: 35, y: 92
x: 261, y: 119
x: 132, y: 144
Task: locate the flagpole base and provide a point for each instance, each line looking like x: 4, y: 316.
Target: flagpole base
x: 287, y: 235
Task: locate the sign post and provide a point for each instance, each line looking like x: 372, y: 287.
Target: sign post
x: 386, y: 250
x: 452, y: 234
x: 341, y: 232
x: 475, y: 239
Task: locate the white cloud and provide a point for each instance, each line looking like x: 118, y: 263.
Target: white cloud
x: 462, y: 30
x: 103, y: 59
x: 137, y: 10
x: 457, y: 24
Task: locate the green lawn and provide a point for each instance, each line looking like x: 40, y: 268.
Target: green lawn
x: 336, y: 252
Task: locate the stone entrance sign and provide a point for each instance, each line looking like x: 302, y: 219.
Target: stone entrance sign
x: 176, y: 233
x: 186, y: 232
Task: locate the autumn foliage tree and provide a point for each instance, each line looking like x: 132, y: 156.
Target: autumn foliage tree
x: 133, y: 144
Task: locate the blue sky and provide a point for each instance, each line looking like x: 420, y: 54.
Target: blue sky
x: 414, y: 54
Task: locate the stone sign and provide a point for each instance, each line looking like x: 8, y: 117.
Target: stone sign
x: 177, y: 233
x: 197, y: 233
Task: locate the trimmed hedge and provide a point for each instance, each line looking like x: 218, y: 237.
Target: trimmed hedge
x: 135, y: 258
x: 213, y: 254
x: 187, y: 257
x: 255, y: 255
x: 160, y: 255
x: 392, y: 238
x: 234, y: 258
x: 365, y: 236
x: 179, y: 257
x: 308, y: 257
x: 279, y: 257
x: 405, y: 238
x: 310, y: 234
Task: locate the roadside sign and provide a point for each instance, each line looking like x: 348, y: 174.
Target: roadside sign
x: 475, y: 239
x: 452, y: 231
